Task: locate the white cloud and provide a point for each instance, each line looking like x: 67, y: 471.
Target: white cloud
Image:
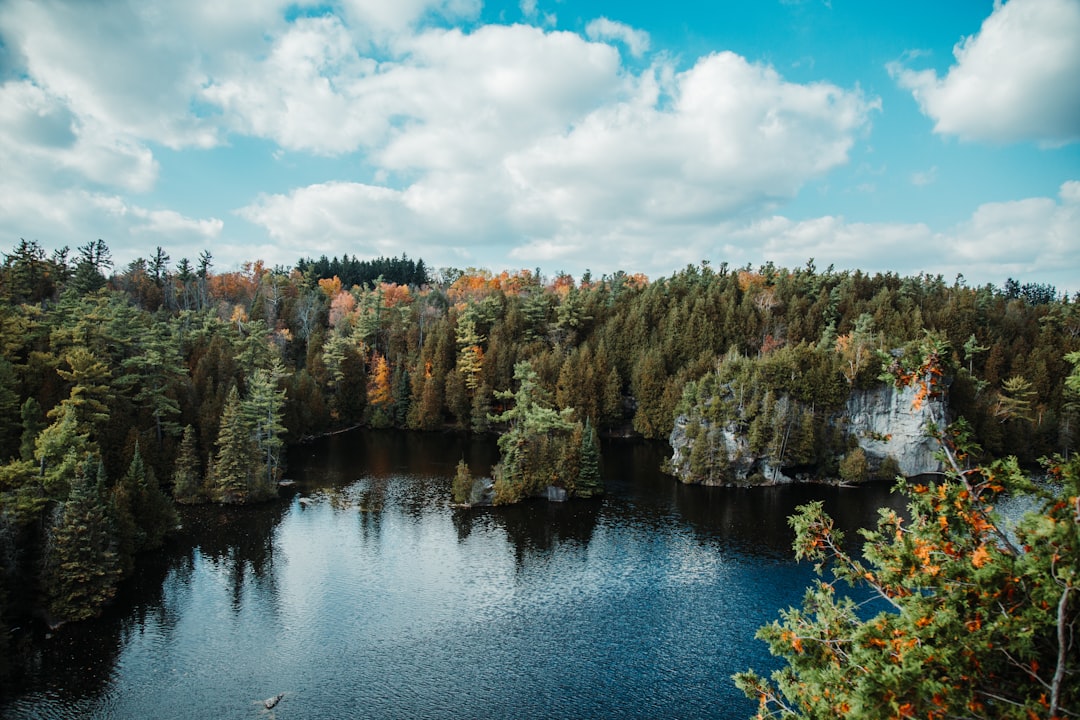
x: 73, y: 217
x: 723, y: 137
x: 497, y: 145
x: 131, y: 69
x: 448, y: 97
x: 924, y: 177
x: 627, y: 180
x: 1014, y: 80
x: 381, y: 19
x: 1031, y: 239
x: 43, y: 143
x: 636, y: 41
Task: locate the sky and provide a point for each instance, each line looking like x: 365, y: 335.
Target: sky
x: 566, y: 135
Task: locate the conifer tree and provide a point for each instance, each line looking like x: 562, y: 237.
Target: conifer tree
x: 10, y: 429
x: 58, y: 449
x: 153, y: 511
x: 530, y: 450
x: 481, y: 409
x: 402, y: 394
x: 81, y: 566
x: 461, y: 490
x: 187, y: 480
x: 236, y: 465
x: 32, y: 424
x: 262, y: 410
x: 153, y: 371
x: 589, y: 482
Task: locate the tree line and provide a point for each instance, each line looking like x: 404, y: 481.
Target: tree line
x: 191, y: 380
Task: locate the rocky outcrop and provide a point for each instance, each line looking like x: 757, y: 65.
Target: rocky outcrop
x: 886, y: 423
x: 742, y: 465
x: 883, y: 421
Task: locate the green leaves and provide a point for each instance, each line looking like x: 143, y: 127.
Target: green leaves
x: 981, y: 624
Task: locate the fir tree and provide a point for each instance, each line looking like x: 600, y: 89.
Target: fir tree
x: 461, y: 490
x: 237, y: 456
x: 81, y: 565
x: 262, y: 411
x: 187, y: 480
x: 589, y: 482
x: 32, y: 424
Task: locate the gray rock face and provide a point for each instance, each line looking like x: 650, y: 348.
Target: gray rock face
x: 882, y: 420
x: 555, y: 494
x: 885, y: 423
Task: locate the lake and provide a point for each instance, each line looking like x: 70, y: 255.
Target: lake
x: 374, y: 598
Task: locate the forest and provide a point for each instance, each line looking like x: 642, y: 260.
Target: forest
x: 126, y: 390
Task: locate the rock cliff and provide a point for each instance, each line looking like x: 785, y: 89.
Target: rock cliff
x: 883, y: 421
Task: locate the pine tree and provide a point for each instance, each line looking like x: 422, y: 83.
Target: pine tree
x: 153, y: 371
x: 237, y: 456
x: 154, y: 513
x: 481, y: 409
x: 81, y: 565
x: 402, y: 396
x: 58, y: 449
x: 531, y: 449
x: 262, y: 411
x: 187, y: 480
x: 32, y: 424
x: 10, y: 429
x: 589, y: 482
x: 461, y: 490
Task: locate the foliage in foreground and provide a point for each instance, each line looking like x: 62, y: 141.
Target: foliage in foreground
x: 982, y: 621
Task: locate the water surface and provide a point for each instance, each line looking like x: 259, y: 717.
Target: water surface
x: 376, y: 599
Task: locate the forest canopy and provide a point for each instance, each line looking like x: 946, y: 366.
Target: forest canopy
x: 124, y: 389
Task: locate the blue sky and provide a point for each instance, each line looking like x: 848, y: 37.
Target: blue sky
x: 912, y: 137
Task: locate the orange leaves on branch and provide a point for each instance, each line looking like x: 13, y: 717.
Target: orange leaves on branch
x: 330, y: 286
x: 380, y: 392
x: 980, y: 557
x: 394, y: 294
x: 341, y: 306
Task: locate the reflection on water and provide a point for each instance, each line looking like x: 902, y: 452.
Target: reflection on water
x: 364, y: 594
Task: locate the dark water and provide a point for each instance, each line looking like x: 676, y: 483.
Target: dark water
x: 378, y: 600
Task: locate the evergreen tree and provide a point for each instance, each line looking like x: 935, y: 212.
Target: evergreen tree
x: 153, y: 511
x: 481, y: 409
x: 187, y: 480
x: 90, y: 392
x: 237, y: 469
x: 58, y: 450
x: 531, y: 448
x: 81, y: 566
x: 32, y: 424
x: 262, y: 411
x: 153, y: 371
x: 589, y: 482
x: 10, y: 428
x: 461, y: 490
x: 402, y: 394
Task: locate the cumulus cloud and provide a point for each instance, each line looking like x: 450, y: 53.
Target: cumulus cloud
x: 672, y: 155
x: 636, y: 41
x: 450, y: 96
x: 1016, y: 79
x: 74, y: 216
x: 43, y: 143
x: 128, y: 69
x: 495, y: 145
x: 1032, y: 238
